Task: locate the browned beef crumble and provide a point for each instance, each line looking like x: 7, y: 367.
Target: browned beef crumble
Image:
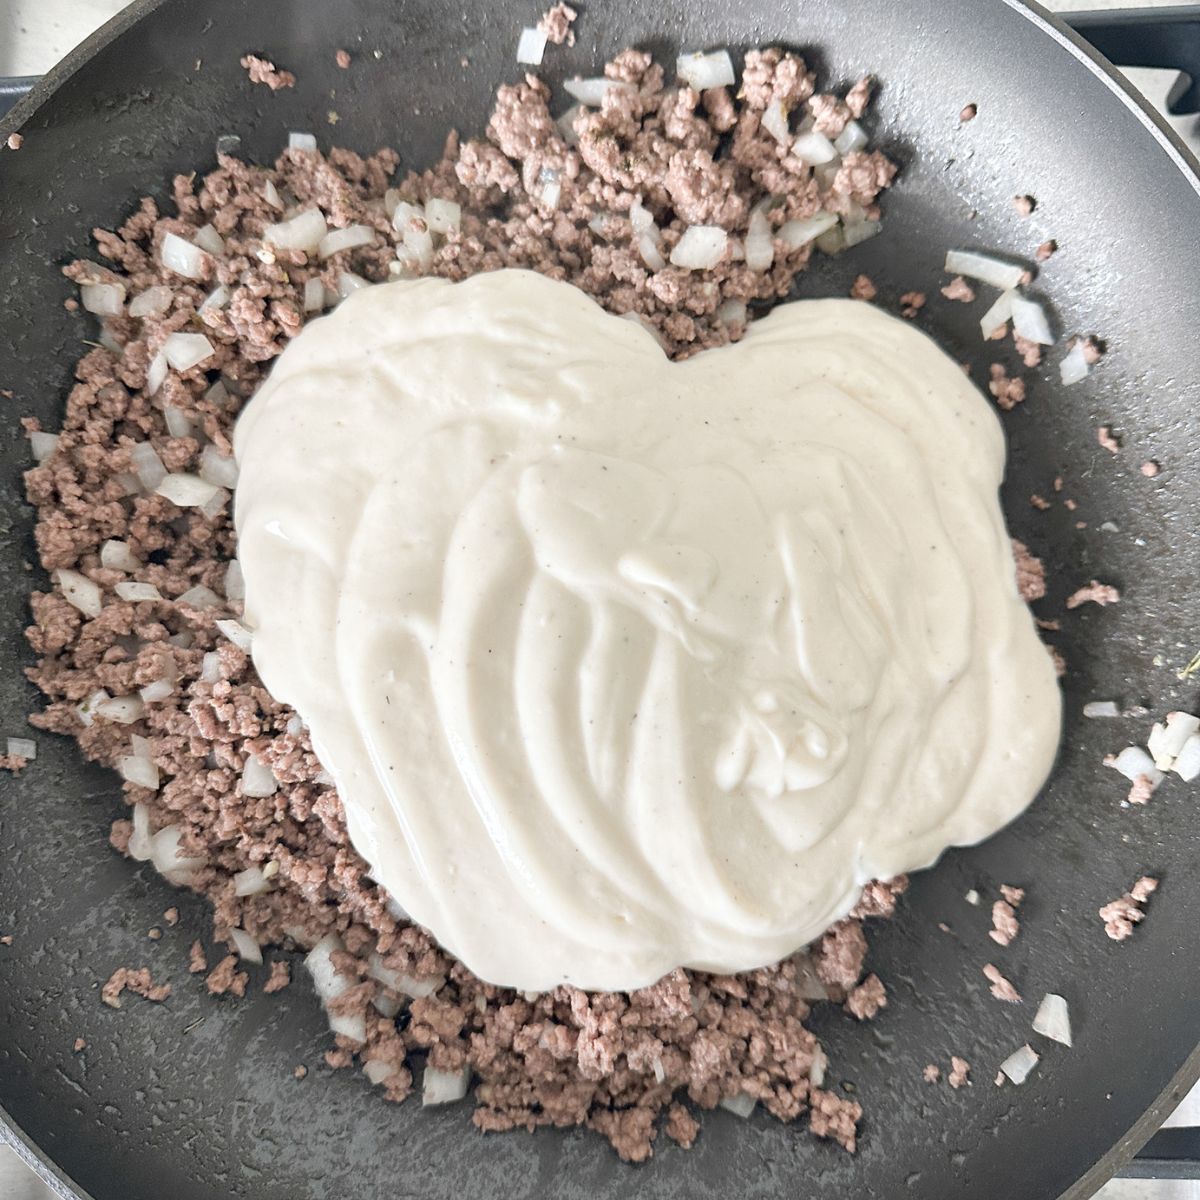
x: 960, y: 1072
x: 1005, y: 925
x: 1121, y: 915
x: 136, y: 980
x: 14, y: 763
x: 15, y: 141
x: 1094, y: 593
x: 1046, y: 249
x: 959, y: 289
x: 1024, y: 205
x: 1001, y: 988
x: 862, y: 288
x: 556, y: 25
x: 266, y: 73
x: 969, y: 113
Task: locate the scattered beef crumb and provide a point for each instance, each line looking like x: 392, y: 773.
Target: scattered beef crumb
x: 1049, y: 627
x: 262, y: 71
x: 80, y: 1045
x: 1046, y: 249
x: 681, y: 1126
x: 1060, y: 663
x: 15, y: 763
x: 911, y: 303
x: 867, y: 999
x: 831, y: 1117
x: 1015, y: 895
x: 1093, y: 350
x: 1120, y: 916
x: 15, y: 141
x: 1141, y: 790
x: 1039, y: 502
x: 300, y: 1072
x: 1094, y: 593
x: 959, y: 289
x: 862, y: 288
x: 342, y: 58
x: 1104, y: 435
x: 1005, y: 925
x: 154, y: 933
x: 1149, y: 468
x: 1058, y: 483
x: 960, y: 1072
x: 556, y: 25
x: 226, y: 978
x: 1070, y: 505
x: 280, y: 977
x: 1024, y: 205
x: 6, y: 940
x: 171, y: 916
x: 1030, y: 352
x: 197, y: 961
x: 969, y: 113
x: 932, y: 1073
x: 136, y: 980
x: 1001, y: 988
x: 1008, y: 392
x: 1031, y: 573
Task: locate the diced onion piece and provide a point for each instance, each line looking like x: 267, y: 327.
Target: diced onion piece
x: 853, y: 137
x: 732, y: 312
x: 419, y: 242
x: 1030, y: 321
x: 387, y: 1004
x: 566, y: 124
x: 443, y: 216
x: 131, y: 590
x: 156, y: 372
x: 1133, y: 761
x: 408, y: 216
x: 795, y: 234
x: 349, y: 282
x: 1187, y: 761
x: 117, y: 556
x: 139, y: 771
x: 1166, y: 741
x: 1101, y: 708
x: 207, y: 238
x: 169, y: 862
x: 1053, y: 1019
x: 108, y: 339
x: 140, y: 746
x: 22, y: 747
x: 700, y: 248
x: 349, y: 238
x: 531, y: 47
x: 1074, y: 366
x: 139, y: 841
x: 301, y: 141
x: 444, y: 1087
x: 216, y: 468
x: 378, y: 1072
x: 147, y: 465
x: 592, y: 91
x: 775, y: 122
x: 79, y: 591
x: 551, y: 193
x: 641, y: 218
x: 87, y: 709
x: 186, y: 490
x: 183, y: 639
x: 314, y: 296
x: 647, y: 247
x: 237, y: 633
x: 103, y: 299
x: 985, y: 268
x: 183, y: 257
x: 303, y: 232
x: 814, y: 148
x: 998, y: 315
x: 153, y: 302
x: 760, y: 243
x: 854, y: 232
x: 1018, y: 1064
x: 42, y: 444
x: 258, y: 780
x: 407, y: 985
x: 704, y: 71
x: 972, y: 897
x: 214, y: 504
x: 247, y: 948
x: 353, y: 1026
x: 210, y: 667
x: 122, y: 709
x: 740, y: 1105
x: 820, y: 1064
x: 199, y: 596
x: 235, y: 583
x: 187, y: 350
x: 178, y: 422
x: 271, y: 195
x: 217, y: 298
x: 250, y: 882
x: 328, y: 982
x: 160, y: 689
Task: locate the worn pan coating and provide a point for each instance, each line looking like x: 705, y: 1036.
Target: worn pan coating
x: 195, y: 1099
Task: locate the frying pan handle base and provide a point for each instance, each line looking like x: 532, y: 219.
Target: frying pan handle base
x: 1149, y: 37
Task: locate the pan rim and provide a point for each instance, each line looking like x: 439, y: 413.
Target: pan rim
x: 1167, y: 140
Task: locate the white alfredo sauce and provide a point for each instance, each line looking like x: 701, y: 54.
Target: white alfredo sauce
x: 622, y: 664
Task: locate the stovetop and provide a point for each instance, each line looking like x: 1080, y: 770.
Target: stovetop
x: 34, y: 34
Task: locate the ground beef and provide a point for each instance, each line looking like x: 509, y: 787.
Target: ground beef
x: 1030, y: 352
x: 1094, y: 593
x: 1141, y: 790
x: 1149, y: 468
x: 1121, y: 915
x: 15, y: 763
x: 862, y: 288
x: 264, y: 72
x: 1009, y: 392
x: 556, y: 24
x: 1104, y: 435
x: 1001, y: 988
x: 280, y: 977
x: 911, y: 303
x: 1046, y: 249
x: 15, y: 141
x: 1014, y: 895
x: 1005, y: 925
x: 959, y: 289
x: 1031, y: 573
x: 932, y: 1073
x: 621, y: 1064
x: 867, y: 999
x: 136, y: 980
x: 960, y: 1072
x: 969, y: 113
x: 342, y: 58
x: 1024, y: 205
x: 79, y: 1045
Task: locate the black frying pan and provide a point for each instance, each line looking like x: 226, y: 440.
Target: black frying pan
x: 194, y: 1099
